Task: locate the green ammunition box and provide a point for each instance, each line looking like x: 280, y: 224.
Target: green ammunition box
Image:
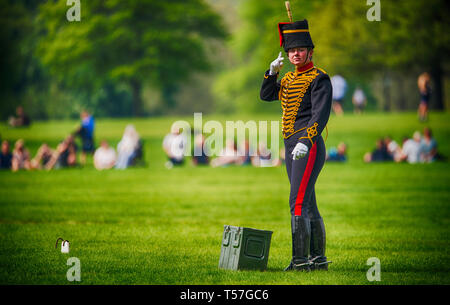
x: 244, y: 248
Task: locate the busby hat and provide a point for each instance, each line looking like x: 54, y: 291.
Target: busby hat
x: 295, y: 35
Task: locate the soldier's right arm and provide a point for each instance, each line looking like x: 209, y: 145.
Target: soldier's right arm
x: 270, y: 87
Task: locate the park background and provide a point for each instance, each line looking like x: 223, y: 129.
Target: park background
x: 151, y: 63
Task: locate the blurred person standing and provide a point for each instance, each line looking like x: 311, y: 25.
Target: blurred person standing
x: 359, y: 100
x: 86, y: 133
x: 306, y: 98
x: 339, y: 85
x: 128, y: 147
x: 104, y: 156
x: 423, y: 83
x: 5, y: 155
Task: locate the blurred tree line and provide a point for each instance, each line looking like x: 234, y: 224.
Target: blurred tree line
x: 105, y: 61
x: 384, y: 58
x: 153, y: 57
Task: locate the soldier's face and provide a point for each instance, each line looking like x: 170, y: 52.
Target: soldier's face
x: 299, y: 56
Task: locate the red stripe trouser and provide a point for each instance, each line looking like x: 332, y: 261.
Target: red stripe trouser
x: 302, y: 175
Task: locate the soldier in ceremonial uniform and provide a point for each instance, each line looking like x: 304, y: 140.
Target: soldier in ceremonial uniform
x: 306, y: 98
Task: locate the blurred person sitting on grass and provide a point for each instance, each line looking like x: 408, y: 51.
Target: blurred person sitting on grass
x: 65, y: 155
x: 394, y: 150
x: 244, y: 154
x: 338, y: 154
x: 43, y: 156
x: 21, y: 157
x: 104, y: 156
x: 199, y: 146
x: 264, y: 157
x: 21, y: 120
x: 5, y: 155
x: 174, y: 145
x: 411, y: 149
x: 227, y: 156
x: 428, y: 147
x: 379, y: 154
x: 86, y: 133
x: 128, y: 147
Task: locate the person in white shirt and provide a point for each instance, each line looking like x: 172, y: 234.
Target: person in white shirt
x: 359, y: 101
x: 411, y: 149
x: 339, y: 88
x: 127, y: 147
x: 104, y: 156
x: 174, y: 144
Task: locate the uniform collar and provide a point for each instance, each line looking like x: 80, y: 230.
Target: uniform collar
x: 305, y: 68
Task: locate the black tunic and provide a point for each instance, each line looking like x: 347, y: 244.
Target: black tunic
x: 305, y: 99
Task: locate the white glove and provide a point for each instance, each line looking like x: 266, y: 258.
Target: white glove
x: 300, y: 150
x: 276, y: 65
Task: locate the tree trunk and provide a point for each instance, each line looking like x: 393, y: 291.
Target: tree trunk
x: 136, y: 88
x: 436, y: 75
x: 168, y: 93
x: 387, y: 91
x: 402, y: 96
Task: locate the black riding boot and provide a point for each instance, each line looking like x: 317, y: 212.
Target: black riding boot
x: 317, y: 247
x: 301, y: 235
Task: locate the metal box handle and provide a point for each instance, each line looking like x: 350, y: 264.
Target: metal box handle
x: 226, y: 236
x: 237, y: 239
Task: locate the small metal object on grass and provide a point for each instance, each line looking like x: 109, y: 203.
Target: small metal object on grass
x: 64, y: 245
x: 244, y: 248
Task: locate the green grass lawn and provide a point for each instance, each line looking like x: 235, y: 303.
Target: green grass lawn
x: 150, y: 225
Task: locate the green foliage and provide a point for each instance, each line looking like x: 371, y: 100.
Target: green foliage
x: 411, y: 35
x: 134, y: 42
x: 255, y: 44
x: 19, y: 68
x: 138, y: 57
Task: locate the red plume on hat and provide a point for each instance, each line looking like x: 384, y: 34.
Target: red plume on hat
x: 280, y: 31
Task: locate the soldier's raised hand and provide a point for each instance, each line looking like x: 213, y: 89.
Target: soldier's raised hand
x: 276, y: 65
